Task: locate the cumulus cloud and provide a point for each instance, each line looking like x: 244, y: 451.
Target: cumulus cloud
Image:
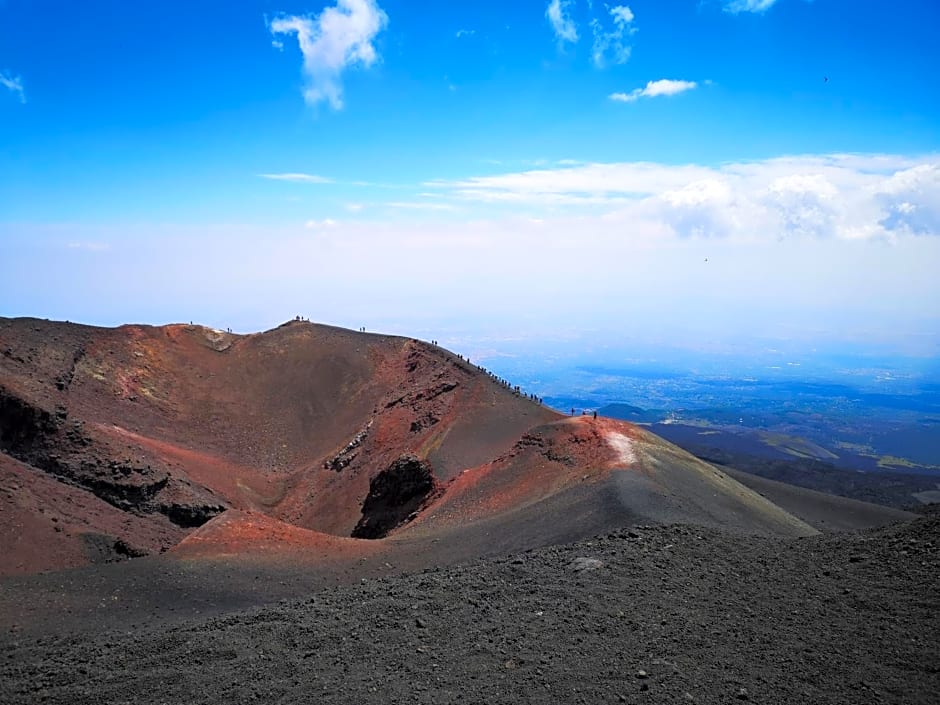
x: 704, y: 208
x: 561, y: 22
x: 738, y: 6
x: 14, y: 84
x: 654, y: 89
x: 804, y: 204
x: 338, y: 38
x: 847, y: 197
x: 298, y: 178
x: 911, y: 200
x: 611, y: 43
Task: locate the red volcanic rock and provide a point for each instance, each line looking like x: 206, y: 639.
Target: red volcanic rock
x: 258, y: 536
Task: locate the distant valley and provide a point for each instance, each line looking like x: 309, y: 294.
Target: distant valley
x: 862, y: 430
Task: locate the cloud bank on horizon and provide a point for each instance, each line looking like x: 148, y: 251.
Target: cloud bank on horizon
x: 836, y: 250
x: 556, y: 165
x: 843, y: 196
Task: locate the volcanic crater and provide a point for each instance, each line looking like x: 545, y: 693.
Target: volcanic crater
x: 182, y: 440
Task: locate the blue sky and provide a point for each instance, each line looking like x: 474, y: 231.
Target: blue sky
x: 485, y: 169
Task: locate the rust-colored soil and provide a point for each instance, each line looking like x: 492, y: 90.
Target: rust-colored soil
x: 243, y: 534
x: 46, y: 525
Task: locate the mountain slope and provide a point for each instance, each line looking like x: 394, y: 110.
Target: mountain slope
x: 324, y: 432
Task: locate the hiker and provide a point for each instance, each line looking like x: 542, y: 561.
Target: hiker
x: 595, y: 416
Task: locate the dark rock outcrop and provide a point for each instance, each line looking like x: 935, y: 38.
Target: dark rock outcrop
x: 63, y: 449
x: 395, y: 495
x: 189, y: 516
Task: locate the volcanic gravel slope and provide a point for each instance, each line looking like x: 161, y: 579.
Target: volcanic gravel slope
x: 664, y: 614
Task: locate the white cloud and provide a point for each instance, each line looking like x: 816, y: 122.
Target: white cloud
x: 320, y: 224
x: 654, y: 89
x: 338, y: 38
x: 14, y: 84
x: 465, y: 33
x: 298, y: 178
x: 421, y: 206
x: 804, y: 204
x: 699, y: 193
x: 611, y: 45
x: 737, y: 6
x: 622, y: 15
x: 562, y: 24
x: 596, y: 182
x: 845, y: 197
x: 911, y: 199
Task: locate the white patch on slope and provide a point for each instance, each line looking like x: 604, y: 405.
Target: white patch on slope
x: 623, y: 446
x: 218, y: 340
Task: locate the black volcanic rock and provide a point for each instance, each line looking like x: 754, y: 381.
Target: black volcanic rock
x: 394, y: 495
x: 686, y: 615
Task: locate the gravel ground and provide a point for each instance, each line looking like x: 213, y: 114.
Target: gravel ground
x: 644, y: 615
